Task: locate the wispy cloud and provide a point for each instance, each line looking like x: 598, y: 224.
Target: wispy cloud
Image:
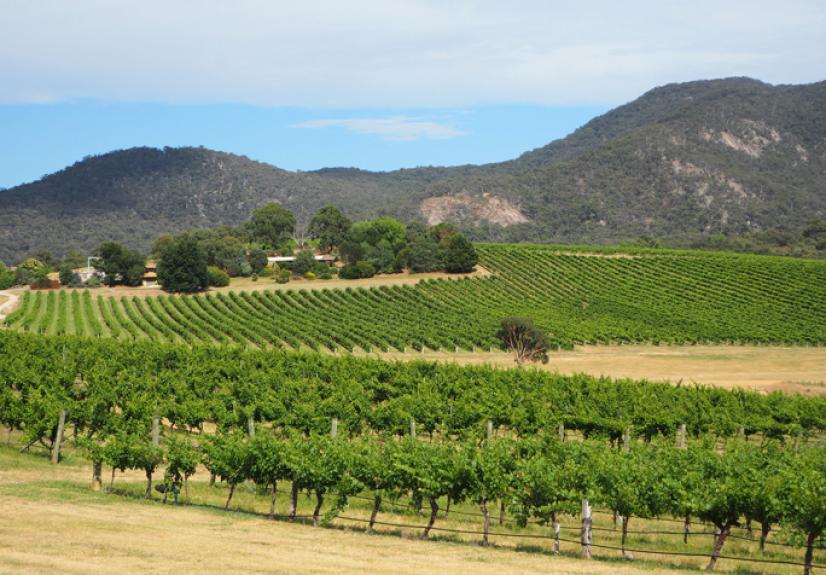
x: 393, y: 128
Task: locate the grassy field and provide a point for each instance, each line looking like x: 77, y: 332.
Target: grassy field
x: 578, y: 297
x: 761, y: 368
x: 51, y: 521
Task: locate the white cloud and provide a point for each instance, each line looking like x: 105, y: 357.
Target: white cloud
x: 405, y: 53
x: 394, y: 128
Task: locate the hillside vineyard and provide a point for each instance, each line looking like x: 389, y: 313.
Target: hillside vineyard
x: 580, y: 295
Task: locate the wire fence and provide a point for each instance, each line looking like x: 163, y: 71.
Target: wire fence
x: 819, y: 546
x: 577, y: 542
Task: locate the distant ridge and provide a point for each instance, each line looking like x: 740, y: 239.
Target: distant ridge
x: 682, y: 161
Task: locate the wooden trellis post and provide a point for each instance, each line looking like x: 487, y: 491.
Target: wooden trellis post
x: 586, y: 534
x: 61, y: 424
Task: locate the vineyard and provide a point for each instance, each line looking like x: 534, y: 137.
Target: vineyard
x: 579, y: 295
x: 343, y: 429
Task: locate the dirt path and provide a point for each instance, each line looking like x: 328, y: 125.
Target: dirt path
x: 8, y: 301
x: 264, y: 283
x: 769, y: 368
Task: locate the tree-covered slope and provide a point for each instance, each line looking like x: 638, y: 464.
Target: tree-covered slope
x: 681, y: 162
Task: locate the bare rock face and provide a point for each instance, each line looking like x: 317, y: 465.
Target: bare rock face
x: 471, y: 209
x: 748, y: 136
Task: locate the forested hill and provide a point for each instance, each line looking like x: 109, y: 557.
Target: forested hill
x: 681, y: 162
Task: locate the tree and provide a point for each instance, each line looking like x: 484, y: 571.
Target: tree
x: 120, y: 265
x: 381, y: 256
x: 257, y: 260
x: 443, y: 232
x: 29, y: 270
x: 330, y: 227
x: 67, y: 275
x: 6, y: 277
x: 415, y: 231
x: 271, y: 224
x: 351, y: 252
x: 372, y: 232
x: 74, y: 259
x: 804, y: 487
x: 423, y: 255
x: 459, y: 255
x: 46, y: 257
x: 528, y: 342
x: 183, y: 267
x: 304, y: 262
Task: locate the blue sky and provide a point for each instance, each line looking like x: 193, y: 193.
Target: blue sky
x: 39, y: 139
x: 377, y: 84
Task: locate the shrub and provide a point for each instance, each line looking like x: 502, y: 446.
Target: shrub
x: 359, y: 270
x: 325, y: 275
x: 283, y: 276
x: 310, y: 275
x: 267, y: 272
x: 41, y: 281
x: 93, y: 282
x: 366, y: 269
x: 217, y: 277
x: 349, y: 272
x: 304, y: 262
x: 254, y: 277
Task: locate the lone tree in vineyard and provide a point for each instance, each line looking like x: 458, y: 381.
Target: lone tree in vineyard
x: 521, y: 336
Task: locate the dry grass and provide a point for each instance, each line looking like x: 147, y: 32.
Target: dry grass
x: 767, y: 368
x: 264, y: 283
x: 68, y: 537
x: 51, y: 522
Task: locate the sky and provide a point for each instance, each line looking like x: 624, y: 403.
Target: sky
x: 378, y: 84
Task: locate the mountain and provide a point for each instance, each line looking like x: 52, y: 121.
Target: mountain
x: 681, y: 162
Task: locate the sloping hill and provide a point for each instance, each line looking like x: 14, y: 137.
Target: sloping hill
x: 682, y: 161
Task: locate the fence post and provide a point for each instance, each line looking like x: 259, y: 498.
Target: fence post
x: 334, y: 427
x: 61, y: 424
x: 561, y: 431
x: 97, y: 475
x: 490, y: 429
x: 626, y: 439
x: 251, y: 426
x: 681, y: 436
x: 412, y: 427
x: 586, y: 529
